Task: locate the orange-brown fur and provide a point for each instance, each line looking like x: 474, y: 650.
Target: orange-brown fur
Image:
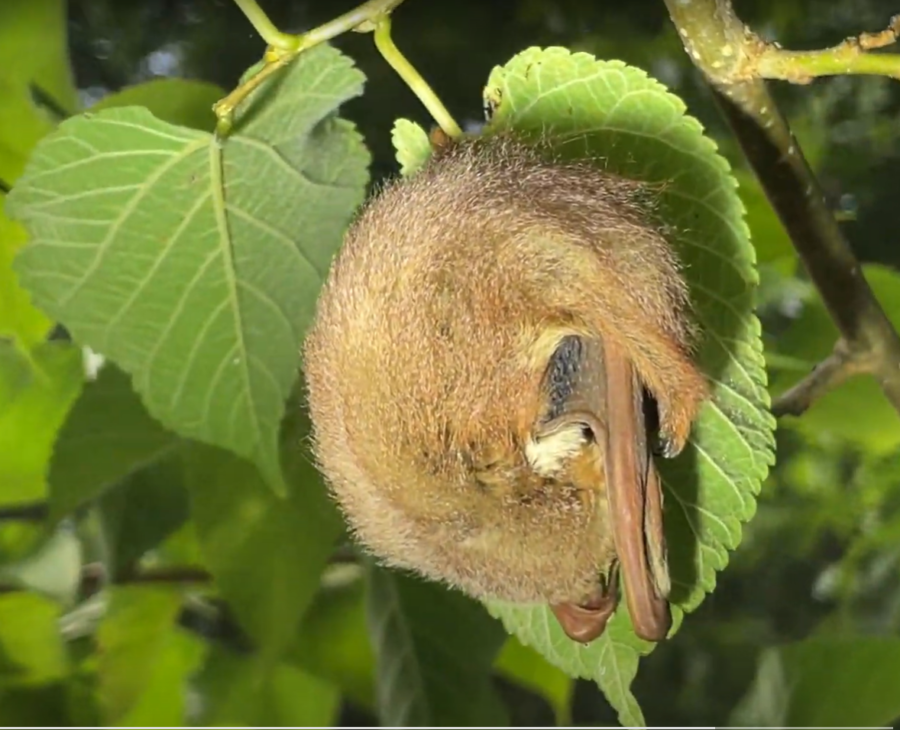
x: 426, y: 360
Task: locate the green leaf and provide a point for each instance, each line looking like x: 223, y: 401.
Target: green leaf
x: 435, y: 651
x: 846, y: 681
x: 611, y: 661
x: 239, y: 693
x: 39, y: 706
x: 108, y: 435
x: 163, y: 701
x: 19, y: 318
x: 144, y: 657
x: 412, y: 145
x: 333, y: 641
x: 20, y: 539
x: 195, y: 265
x: 33, y: 50
x: 856, y: 412
x: 36, y: 392
x: 606, y: 110
x: 528, y: 668
x: 297, y: 699
x: 32, y: 651
x: 138, y: 514
x: 266, y: 553
x: 183, y: 102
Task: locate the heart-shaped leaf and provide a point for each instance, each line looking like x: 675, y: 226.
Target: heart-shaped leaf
x: 194, y: 264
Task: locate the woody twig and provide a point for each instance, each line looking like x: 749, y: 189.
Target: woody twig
x: 735, y: 63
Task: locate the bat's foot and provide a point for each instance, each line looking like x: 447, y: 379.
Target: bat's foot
x: 668, y: 446
x: 676, y: 419
x: 584, y: 622
x: 678, y: 392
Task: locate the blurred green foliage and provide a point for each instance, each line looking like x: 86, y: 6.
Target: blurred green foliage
x: 802, y: 626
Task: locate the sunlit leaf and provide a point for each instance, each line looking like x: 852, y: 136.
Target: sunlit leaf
x: 297, y: 699
x: 19, y: 318
x: 33, y: 51
x: 194, y: 264
x: 164, y: 700
x: 32, y: 651
x: 144, y: 657
x: 36, y: 392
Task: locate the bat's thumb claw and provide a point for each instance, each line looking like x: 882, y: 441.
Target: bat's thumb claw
x: 668, y: 446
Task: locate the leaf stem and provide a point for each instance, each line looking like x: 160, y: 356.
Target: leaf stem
x: 413, y: 79
x: 224, y: 108
x: 720, y: 46
x: 359, y: 18
x: 284, y: 47
x: 260, y: 21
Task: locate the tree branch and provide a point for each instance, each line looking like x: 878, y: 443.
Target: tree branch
x: 29, y: 512
x: 720, y: 46
x: 769, y: 61
x: 840, y: 365
x: 172, y: 574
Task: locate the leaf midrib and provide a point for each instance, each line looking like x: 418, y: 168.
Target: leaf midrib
x: 217, y: 195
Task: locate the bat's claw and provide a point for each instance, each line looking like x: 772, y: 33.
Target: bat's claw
x: 675, y: 428
x: 668, y: 447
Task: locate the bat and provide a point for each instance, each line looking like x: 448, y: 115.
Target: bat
x: 501, y: 342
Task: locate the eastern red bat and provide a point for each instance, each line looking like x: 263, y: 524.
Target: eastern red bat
x: 501, y: 342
